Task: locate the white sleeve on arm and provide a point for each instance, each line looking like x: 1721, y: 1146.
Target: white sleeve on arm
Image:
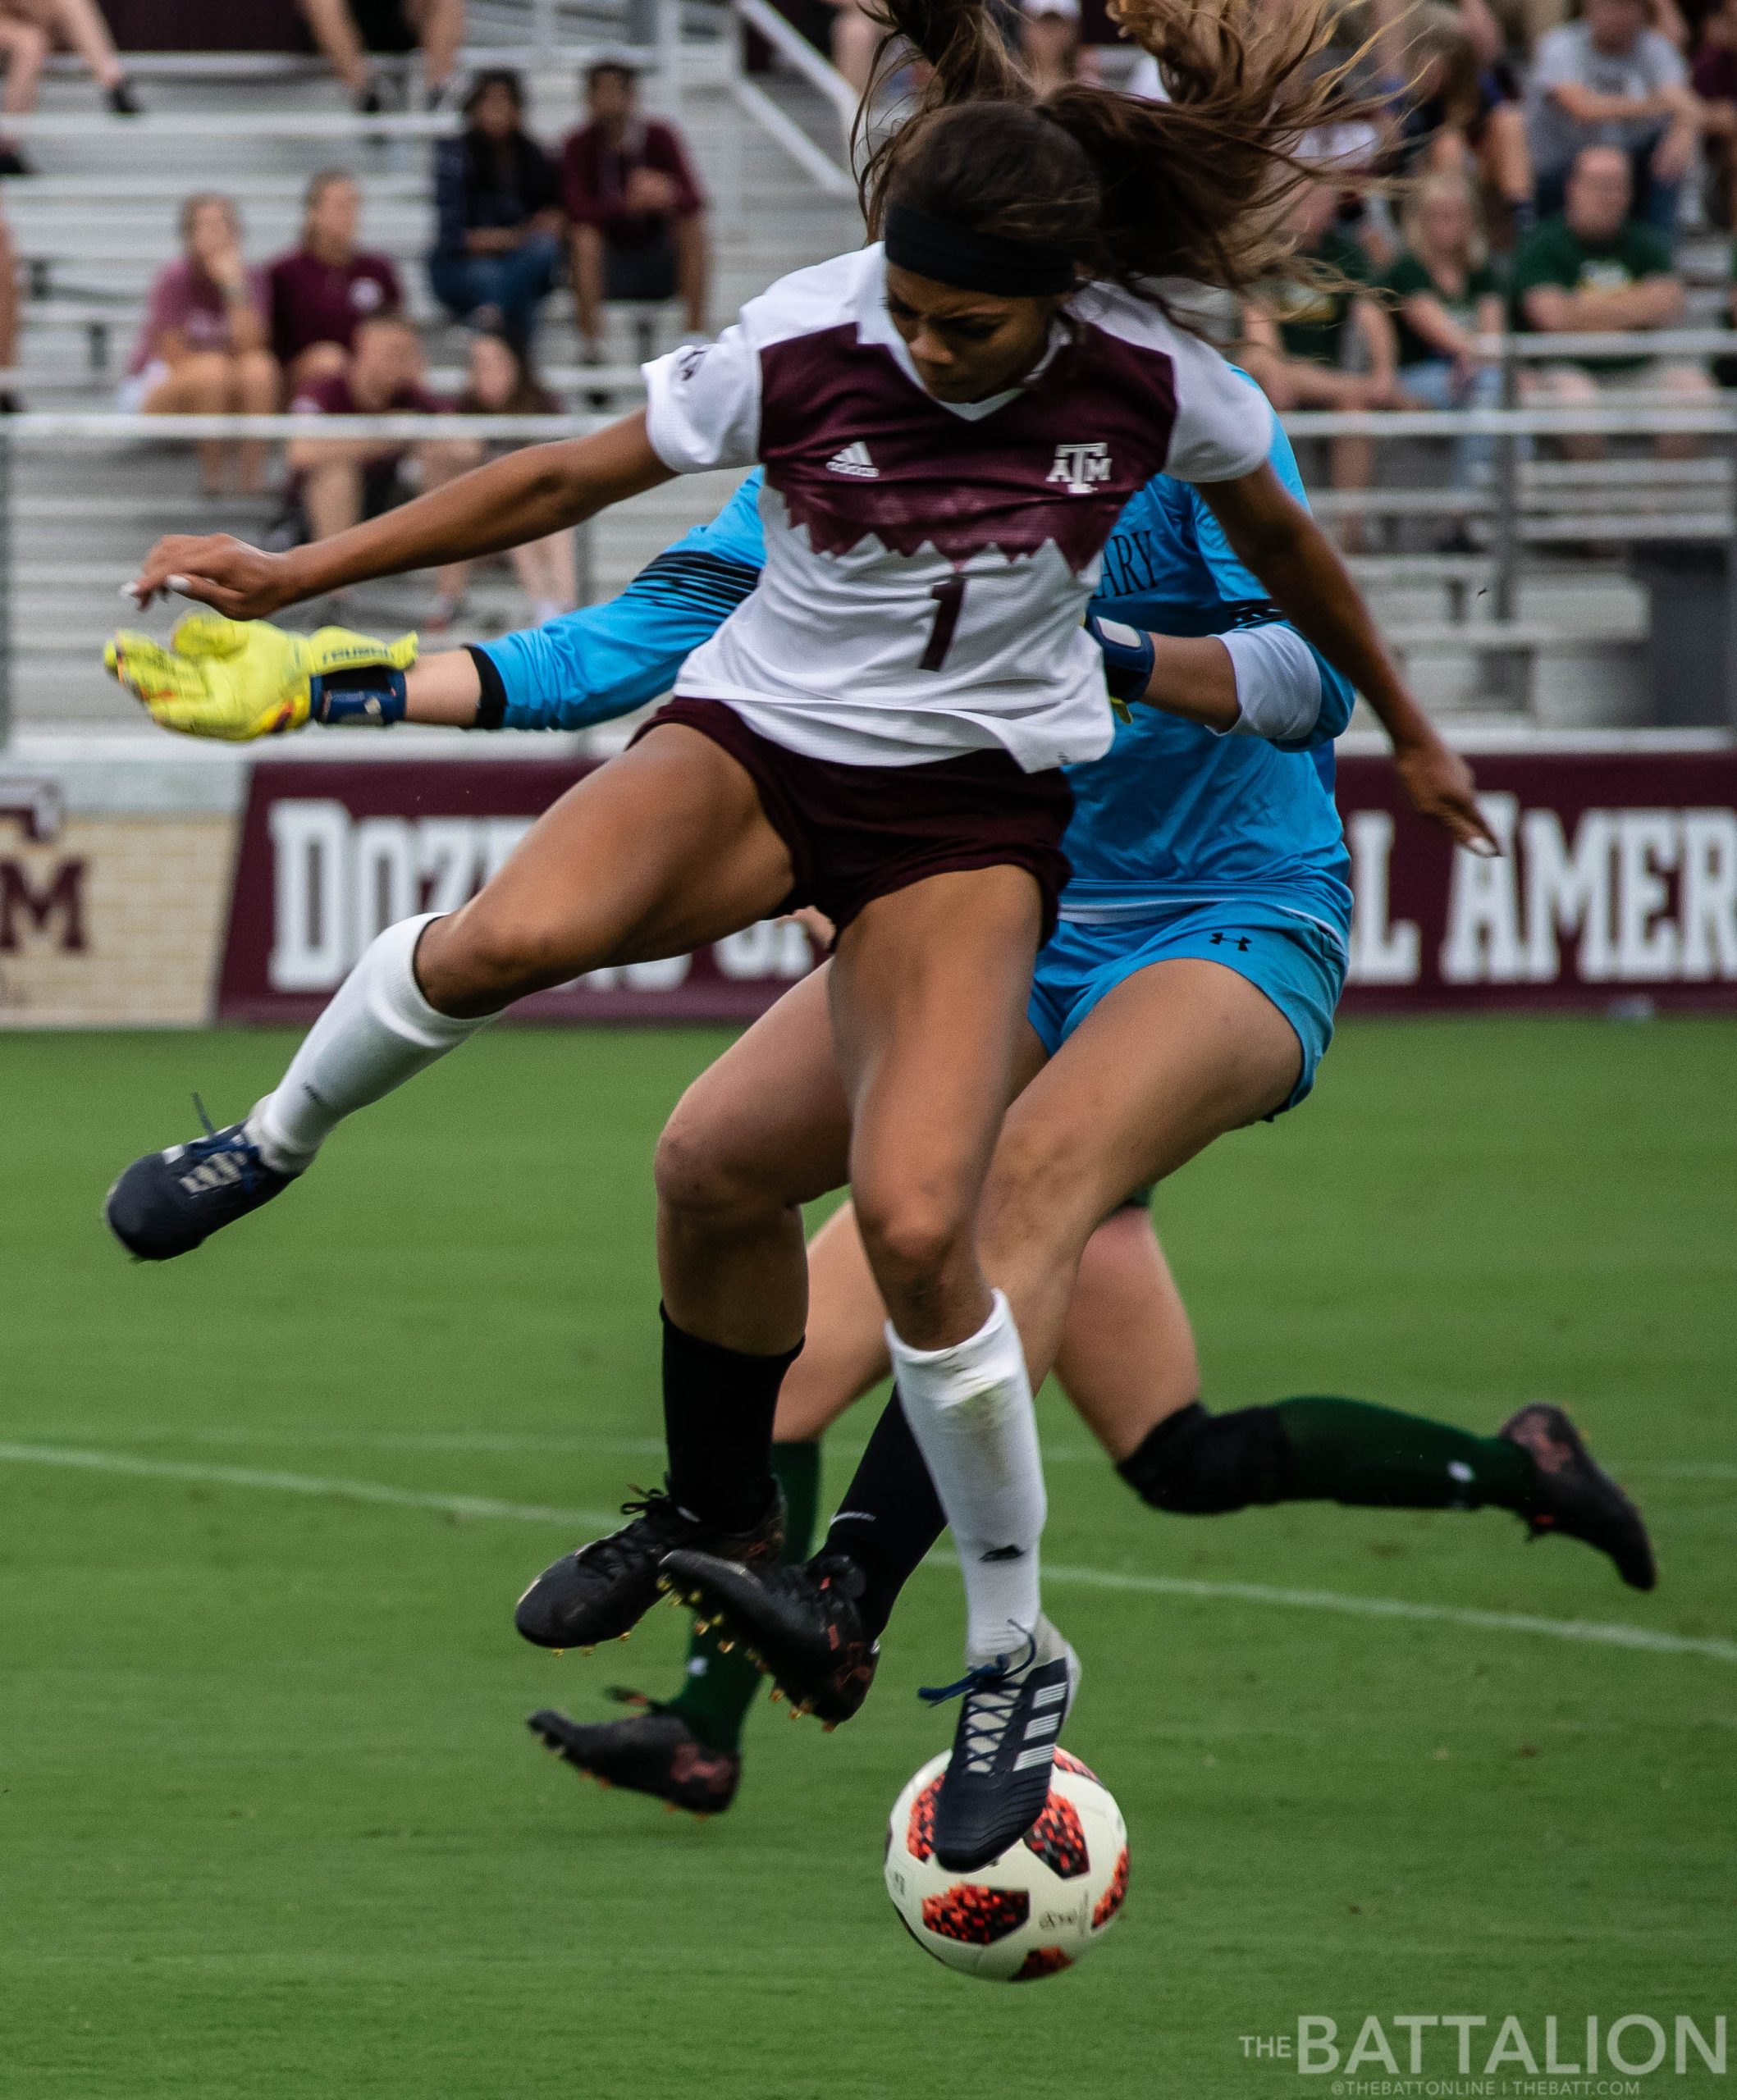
x: 702, y: 404
x: 1278, y: 682
x: 1223, y: 426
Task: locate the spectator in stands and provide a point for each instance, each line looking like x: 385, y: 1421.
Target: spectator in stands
x: 1595, y: 269
x: 203, y: 349
x: 29, y: 30
x: 501, y: 383
x: 638, y: 214
x: 856, y: 37
x: 350, y: 33
x: 1445, y: 296
x: 1305, y: 339
x: 324, y: 289
x: 1453, y: 116
x: 338, y: 482
x: 498, y: 196
x: 1715, y: 82
x: 1049, y: 45
x: 1610, y: 80
x: 10, y: 404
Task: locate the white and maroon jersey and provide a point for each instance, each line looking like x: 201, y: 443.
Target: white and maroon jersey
x: 928, y: 562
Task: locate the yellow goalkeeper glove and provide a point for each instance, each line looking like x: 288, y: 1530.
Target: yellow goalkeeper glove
x: 240, y: 679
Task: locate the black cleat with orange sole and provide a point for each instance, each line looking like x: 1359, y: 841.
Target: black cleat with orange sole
x: 1574, y: 1495
x: 653, y: 1751
x: 800, y: 1624
x: 601, y: 1591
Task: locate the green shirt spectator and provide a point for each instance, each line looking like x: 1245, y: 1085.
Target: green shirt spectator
x: 1408, y: 277
x: 1313, y: 320
x: 1554, y: 255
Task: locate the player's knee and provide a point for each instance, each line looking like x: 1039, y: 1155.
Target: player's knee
x: 911, y: 1237
x: 696, y: 1179
x: 1195, y: 1463
x: 478, y: 961
x: 1037, y: 1188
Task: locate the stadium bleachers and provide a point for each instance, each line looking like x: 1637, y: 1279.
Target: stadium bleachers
x: 96, y: 224
x: 1547, y: 620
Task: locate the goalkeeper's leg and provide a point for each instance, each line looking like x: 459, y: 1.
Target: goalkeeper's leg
x: 662, y: 849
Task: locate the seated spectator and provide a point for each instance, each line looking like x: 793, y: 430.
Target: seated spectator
x: 202, y: 350
x: 501, y: 383
x: 856, y: 38
x: 10, y: 405
x: 1454, y: 118
x: 1050, y: 46
x: 29, y: 30
x: 1714, y: 78
x: 337, y: 482
x: 1596, y: 268
x: 1446, y: 295
x: 498, y: 197
x: 1302, y: 340
x: 350, y: 33
x: 324, y: 290
x: 637, y: 211
x: 1610, y: 79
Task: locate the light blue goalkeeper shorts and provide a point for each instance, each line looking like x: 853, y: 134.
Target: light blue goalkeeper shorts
x: 1298, y: 962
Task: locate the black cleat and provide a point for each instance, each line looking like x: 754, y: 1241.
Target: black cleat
x: 997, y: 1780
x: 601, y: 1591
x: 169, y: 1202
x: 654, y: 1752
x: 1574, y: 1495
x: 800, y: 1624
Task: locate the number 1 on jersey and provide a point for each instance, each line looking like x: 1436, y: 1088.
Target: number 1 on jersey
x: 948, y: 597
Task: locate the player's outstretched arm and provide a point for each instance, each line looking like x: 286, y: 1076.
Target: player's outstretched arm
x: 525, y: 496
x: 1308, y: 581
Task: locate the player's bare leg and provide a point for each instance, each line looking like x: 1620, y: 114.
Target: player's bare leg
x: 659, y: 852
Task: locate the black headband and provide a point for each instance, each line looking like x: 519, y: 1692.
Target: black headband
x: 975, y: 261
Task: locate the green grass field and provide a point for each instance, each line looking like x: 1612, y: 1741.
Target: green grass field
x: 270, y: 1824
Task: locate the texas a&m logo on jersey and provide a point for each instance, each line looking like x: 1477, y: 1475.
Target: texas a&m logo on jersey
x: 1081, y: 467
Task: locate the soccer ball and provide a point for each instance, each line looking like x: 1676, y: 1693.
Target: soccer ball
x: 1033, y: 1910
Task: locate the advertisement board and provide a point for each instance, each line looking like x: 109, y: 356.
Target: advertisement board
x: 1618, y: 881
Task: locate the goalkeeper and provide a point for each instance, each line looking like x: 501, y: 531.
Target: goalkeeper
x: 1127, y: 1357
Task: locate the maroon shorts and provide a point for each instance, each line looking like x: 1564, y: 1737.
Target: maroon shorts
x: 855, y: 832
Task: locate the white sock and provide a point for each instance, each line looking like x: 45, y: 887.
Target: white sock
x: 969, y: 1409
x: 377, y: 1032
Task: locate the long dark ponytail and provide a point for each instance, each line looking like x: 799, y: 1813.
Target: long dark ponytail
x: 1138, y: 191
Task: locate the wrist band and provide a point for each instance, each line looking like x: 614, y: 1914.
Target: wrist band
x: 359, y: 696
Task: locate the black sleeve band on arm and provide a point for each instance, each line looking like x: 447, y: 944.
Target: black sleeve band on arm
x: 492, y: 702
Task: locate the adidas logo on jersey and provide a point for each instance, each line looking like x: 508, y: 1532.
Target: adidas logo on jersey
x: 854, y: 460
x: 1081, y: 466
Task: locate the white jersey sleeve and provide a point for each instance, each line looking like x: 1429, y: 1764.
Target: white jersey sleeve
x: 702, y: 404
x: 1223, y: 424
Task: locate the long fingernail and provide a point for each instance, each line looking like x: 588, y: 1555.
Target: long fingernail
x: 176, y: 583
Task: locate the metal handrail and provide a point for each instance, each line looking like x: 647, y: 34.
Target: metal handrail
x: 42, y: 426
x: 792, y: 45
x: 1535, y: 346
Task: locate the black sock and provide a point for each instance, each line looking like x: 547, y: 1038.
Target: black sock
x: 1198, y: 1464
x: 718, y: 1409
x: 1318, y: 1447
x: 890, y: 1517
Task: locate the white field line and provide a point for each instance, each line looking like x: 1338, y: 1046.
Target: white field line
x: 508, y: 1442
x: 336, y: 1490
x: 1603, y: 1633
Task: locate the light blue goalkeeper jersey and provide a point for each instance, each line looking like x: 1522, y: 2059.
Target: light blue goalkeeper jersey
x: 1172, y: 814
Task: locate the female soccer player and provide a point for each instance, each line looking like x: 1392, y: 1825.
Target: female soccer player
x: 951, y: 422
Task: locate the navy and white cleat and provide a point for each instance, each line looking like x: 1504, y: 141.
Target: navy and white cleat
x: 997, y: 1780
x: 169, y: 1202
